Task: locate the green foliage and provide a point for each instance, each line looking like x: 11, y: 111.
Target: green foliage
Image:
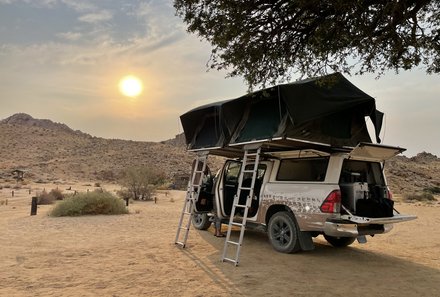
x: 141, y: 182
x: 267, y: 41
x: 92, y: 203
x: 419, y: 197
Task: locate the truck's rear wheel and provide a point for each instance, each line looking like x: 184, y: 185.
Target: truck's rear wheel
x: 339, y: 241
x: 201, y: 221
x: 283, y: 232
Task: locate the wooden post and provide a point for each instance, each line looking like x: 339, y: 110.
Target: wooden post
x: 12, y: 193
x: 126, y: 201
x: 34, y: 206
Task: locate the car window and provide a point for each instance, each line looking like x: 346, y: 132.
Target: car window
x: 310, y: 169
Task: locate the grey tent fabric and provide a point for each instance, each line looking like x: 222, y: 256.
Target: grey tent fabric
x: 328, y: 110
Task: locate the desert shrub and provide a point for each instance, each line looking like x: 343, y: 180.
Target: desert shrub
x: 425, y: 196
x: 7, y: 186
x: 97, y: 185
x: 45, y: 198
x: 92, y: 203
x: 124, y: 194
x: 57, y: 194
x: 142, y: 182
x: 48, y: 198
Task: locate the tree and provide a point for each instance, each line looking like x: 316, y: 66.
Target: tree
x: 267, y: 41
x: 141, y: 182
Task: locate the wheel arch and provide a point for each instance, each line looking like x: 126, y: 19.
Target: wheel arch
x: 273, y: 209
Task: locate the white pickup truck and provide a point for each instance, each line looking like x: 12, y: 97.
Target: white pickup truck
x: 300, y: 194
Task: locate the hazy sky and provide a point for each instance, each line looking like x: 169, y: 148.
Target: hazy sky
x: 62, y: 60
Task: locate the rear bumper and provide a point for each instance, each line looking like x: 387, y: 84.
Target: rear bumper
x: 347, y: 229
x: 353, y: 226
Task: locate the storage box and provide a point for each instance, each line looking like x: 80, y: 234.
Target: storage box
x: 351, y: 192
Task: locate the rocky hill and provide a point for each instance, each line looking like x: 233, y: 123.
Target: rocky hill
x: 53, y: 152
x: 416, y: 174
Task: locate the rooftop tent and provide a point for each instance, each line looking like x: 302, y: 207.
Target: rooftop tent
x: 211, y: 125
x: 328, y: 110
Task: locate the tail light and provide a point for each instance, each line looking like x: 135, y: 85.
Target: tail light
x: 389, y: 194
x: 332, y: 204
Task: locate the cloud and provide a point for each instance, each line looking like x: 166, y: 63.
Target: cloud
x: 71, y: 36
x: 79, y: 6
x: 97, y: 17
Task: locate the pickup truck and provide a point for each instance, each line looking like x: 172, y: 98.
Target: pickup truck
x: 300, y: 194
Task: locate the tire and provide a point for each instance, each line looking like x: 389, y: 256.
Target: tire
x: 201, y: 221
x: 283, y: 232
x: 339, y: 241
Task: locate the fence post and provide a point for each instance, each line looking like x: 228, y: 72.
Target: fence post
x: 34, y: 206
x: 126, y: 201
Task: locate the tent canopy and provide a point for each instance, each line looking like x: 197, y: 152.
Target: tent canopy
x: 328, y: 111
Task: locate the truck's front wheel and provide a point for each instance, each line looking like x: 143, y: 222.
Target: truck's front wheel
x: 201, y: 221
x: 283, y: 232
x: 339, y: 241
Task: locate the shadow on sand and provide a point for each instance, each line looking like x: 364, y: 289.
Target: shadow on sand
x: 326, y: 271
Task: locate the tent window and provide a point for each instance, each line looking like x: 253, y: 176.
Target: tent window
x: 209, y: 134
x: 310, y: 169
x: 263, y: 121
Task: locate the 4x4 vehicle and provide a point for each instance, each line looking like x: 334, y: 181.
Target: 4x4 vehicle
x: 319, y: 172
x: 300, y: 194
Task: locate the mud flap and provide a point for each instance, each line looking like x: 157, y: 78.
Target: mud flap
x: 362, y: 239
x: 305, y: 241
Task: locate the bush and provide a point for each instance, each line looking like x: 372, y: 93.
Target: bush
x: 419, y: 197
x: 142, y: 182
x: 57, y: 194
x: 92, y: 203
x: 45, y: 198
x: 124, y: 194
x: 48, y: 198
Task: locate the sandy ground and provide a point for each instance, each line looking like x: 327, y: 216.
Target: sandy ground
x: 135, y: 255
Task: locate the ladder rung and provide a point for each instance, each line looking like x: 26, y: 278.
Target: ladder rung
x: 240, y: 205
x: 230, y: 260
x: 187, y: 213
x: 245, y: 188
x: 237, y: 224
x: 233, y: 242
x: 248, y: 171
x: 251, y: 154
x: 184, y: 228
x: 180, y: 243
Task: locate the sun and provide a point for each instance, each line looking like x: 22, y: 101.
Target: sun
x: 130, y: 86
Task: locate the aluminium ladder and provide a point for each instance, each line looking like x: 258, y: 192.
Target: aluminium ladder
x: 251, y: 157
x: 192, y: 195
